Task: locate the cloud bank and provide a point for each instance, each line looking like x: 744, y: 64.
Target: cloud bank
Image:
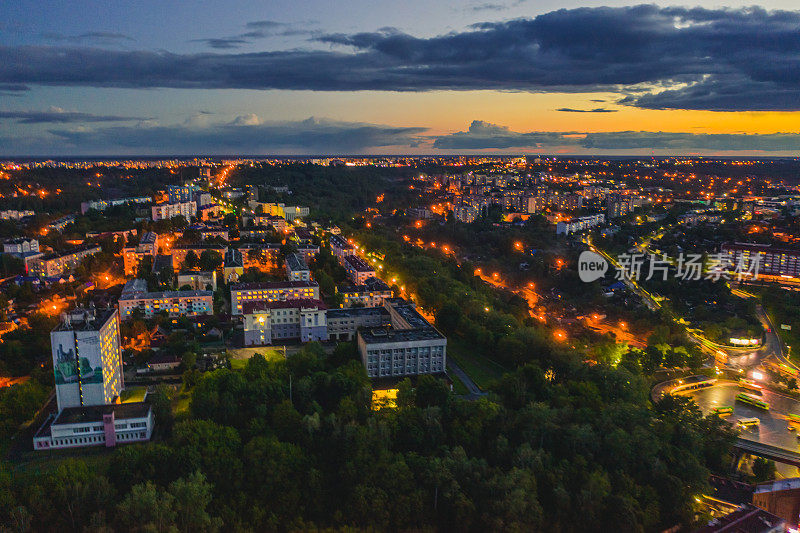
x: 654, y: 57
x: 485, y: 136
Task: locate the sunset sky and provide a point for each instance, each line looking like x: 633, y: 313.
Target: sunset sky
x: 350, y: 77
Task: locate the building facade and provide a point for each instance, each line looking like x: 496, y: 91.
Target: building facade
x: 86, y: 355
x: 296, y: 268
x: 132, y: 256
x: 58, y: 264
x: 357, y: 269
x: 271, y: 291
x: 409, y: 347
x: 175, y: 303
x: 167, y: 211
x: 267, y: 322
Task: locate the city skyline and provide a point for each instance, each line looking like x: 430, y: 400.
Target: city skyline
x: 460, y: 77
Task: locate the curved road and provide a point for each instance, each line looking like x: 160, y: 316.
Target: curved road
x: 773, y: 428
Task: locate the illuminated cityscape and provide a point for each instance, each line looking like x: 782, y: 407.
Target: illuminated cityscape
x: 436, y: 267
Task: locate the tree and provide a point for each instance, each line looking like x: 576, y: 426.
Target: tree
x: 191, y: 497
x: 210, y: 260
x: 191, y: 261
x: 763, y: 470
x: 146, y: 508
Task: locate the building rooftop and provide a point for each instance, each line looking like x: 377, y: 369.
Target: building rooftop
x: 165, y: 294
x: 384, y: 335
x: 305, y: 303
x: 746, y: 519
x: 149, y: 238
x: 295, y: 262
x: 337, y: 241
x: 84, y: 319
x: 76, y: 250
x: 372, y: 284
x: 779, y: 484
x: 358, y: 264
x: 356, y: 311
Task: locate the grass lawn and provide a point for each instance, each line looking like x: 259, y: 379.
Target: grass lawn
x: 458, y: 387
x: 133, y: 394
x: 180, y: 404
x: 481, y: 369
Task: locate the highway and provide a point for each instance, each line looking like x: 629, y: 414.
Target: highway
x: 773, y: 428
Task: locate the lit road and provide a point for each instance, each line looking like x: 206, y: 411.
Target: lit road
x: 773, y: 425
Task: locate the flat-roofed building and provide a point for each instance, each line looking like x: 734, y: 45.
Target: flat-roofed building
x: 271, y: 291
x: 175, y: 303
x: 410, y: 346
x: 87, y: 363
x: 343, y: 324
x: 132, y: 256
x: 266, y: 322
x: 58, y: 264
x: 198, y: 281
x: 167, y: 211
x: 340, y: 247
x: 371, y: 293
x: 771, y: 260
x: 96, y: 425
x: 296, y: 268
x: 357, y: 269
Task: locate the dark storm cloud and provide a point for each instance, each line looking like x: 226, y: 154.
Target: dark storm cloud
x: 245, y: 134
x: 658, y: 57
x: 259, y: 29
x: 485, y: 136
x: 595, y: 110
x: 96, y: 37
x: 222, y: 43
x: 57, y: 115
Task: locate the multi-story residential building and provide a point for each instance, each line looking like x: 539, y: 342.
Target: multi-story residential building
x: 770, y: 260
x: 86, y: 358
x: 175, y: 303
x: 102, y: 205
x: 21, y: 247
x: 266, y: 322
x: 132, y: 256
x: 167, y: 211
x: 340, y: 247
x: 357, y: 269
x: 308, y: 251
x: 12, y: 214
x: 208, y: 211
x: 294, y: 212
x: 343, y: 324
x: 198, y: 281
x: 579, y: 224
x: 411, y: 346
x: 465, y: 213
x: 61, y: 223
x: 296, y: 268
x: 617, y: 205
x: 535, y: 204
x: 271, y: 291
x: 179, y: 194
x: 208, y: 232
x: 566, y: 202
x: 57, y: 264
x: 369, y: 294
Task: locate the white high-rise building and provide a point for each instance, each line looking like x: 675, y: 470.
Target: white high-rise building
x: 86, y: 358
